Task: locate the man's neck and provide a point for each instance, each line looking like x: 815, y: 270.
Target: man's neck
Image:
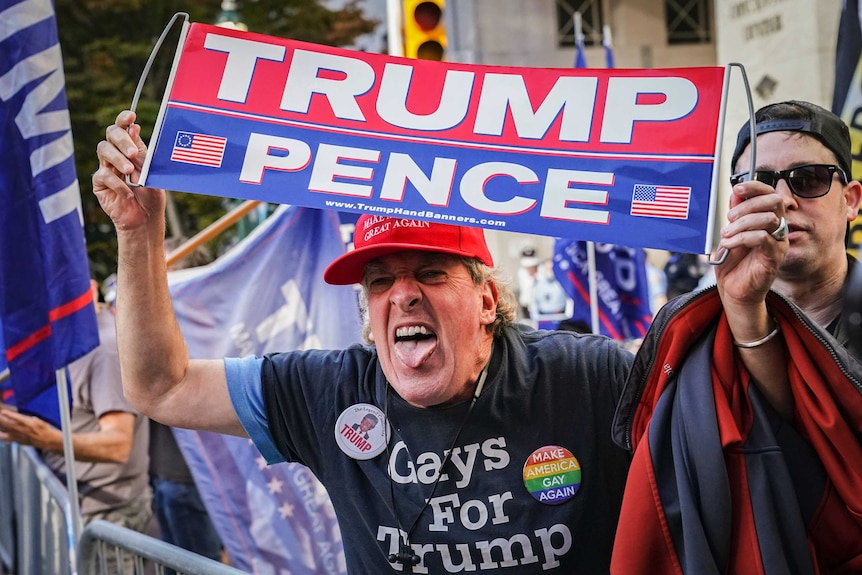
x: 819, y: 297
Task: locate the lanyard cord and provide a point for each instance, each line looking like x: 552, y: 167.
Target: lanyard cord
x: 405, y: 554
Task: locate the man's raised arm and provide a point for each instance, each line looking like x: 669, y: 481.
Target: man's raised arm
x: 158, y: 377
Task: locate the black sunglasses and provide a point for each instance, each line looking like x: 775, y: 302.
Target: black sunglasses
x: 809, y: 181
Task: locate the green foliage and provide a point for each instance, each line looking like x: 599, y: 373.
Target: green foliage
x: 106, y: 44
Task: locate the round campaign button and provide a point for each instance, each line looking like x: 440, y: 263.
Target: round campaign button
x: 552, y: 475
x: 361, y: 431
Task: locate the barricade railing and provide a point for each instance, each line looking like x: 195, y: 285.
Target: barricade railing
x: 101, y: 542
x: 43, y: 529
x: 36, y: 531
x: 7, y: 509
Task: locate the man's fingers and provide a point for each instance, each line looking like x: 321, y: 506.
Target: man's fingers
x: 111, y: 157
x: 11, y: 424
x: 765, y: 221
x: 106, y: 179
x: 757, y: 204
x: 120, y: 138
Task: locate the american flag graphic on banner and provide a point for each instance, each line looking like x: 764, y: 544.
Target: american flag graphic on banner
x: 199, y: 149
x: 661, y: 201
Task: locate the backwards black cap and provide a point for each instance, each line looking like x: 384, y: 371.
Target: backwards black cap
x: 798, y: 116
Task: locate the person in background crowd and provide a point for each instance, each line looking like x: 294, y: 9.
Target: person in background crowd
x: 549, y: 297
x: 527, y: 270
x: 682, y: 272
x: 109, y: 438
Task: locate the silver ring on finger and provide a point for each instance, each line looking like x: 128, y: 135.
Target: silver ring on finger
x: 782, y: 231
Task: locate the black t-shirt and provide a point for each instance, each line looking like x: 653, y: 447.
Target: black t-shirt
x: 534, y: 484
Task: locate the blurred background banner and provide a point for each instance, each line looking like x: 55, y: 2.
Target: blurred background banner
x: 847, y: 97
x: 47, y: 315
x: 264, y: 295
x: 621, y: 287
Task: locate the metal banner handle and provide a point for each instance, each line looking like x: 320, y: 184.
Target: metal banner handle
x: 146, y: 72
x: 752, y: 126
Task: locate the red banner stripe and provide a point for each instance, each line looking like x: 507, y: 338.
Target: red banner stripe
x: 43, y: 333
x: 71, y: 307
x: 40, y: 335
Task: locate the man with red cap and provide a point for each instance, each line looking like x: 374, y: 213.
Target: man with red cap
x: 492, y: 449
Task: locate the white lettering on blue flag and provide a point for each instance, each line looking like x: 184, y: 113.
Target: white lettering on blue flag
x: 32, y: 119
x: 621, y: 286
x: 46, y: 310
x: 23, y: 15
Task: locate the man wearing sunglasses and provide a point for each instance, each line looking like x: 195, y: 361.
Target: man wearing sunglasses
x: 744, y: 411
x: 803, y: 153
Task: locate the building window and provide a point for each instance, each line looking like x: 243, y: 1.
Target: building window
x: 591, y: 21
x: 687, y: 21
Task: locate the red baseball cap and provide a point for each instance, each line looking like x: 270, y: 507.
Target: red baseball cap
x: 377, y: 236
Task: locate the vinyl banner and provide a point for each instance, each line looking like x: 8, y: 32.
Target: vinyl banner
x: 616, y: 156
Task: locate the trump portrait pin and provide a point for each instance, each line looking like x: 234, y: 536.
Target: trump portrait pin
x: 361, y: 431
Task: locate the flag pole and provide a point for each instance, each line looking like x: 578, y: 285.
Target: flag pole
x: 580, y: 57
x: 594, y: 298
x: 581, y: 62
x: 394, y: 39
x: 74, y: 523
x: 211, y: 231
x: 608, y: 43
x: 578, y: 25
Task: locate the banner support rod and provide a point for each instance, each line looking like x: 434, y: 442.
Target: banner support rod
x: 752, y: 126
x: 139, y: 88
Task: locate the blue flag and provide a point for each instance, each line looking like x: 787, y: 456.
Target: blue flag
x: 622, y: 288
x: 46, y: 308
x: 580, y: 59
x: 609, y: 52
x: 267, y: 294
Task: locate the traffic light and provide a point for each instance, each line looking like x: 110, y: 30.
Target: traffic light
x: 424, y: 29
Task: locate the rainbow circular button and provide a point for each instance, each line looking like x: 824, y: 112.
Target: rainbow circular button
x: 552, y: 475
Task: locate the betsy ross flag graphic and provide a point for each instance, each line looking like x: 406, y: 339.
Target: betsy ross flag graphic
x: 661, y: 201
x: 200, y: 149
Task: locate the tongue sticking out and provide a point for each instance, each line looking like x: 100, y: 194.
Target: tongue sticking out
x: 413, y: 352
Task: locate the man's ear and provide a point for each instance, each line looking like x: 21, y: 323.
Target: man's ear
x: 490, y: 298
x: 853, y: 197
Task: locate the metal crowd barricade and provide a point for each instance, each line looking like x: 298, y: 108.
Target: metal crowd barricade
x: 43, y: 529
x: 36, y: 530
x: 7, y: 510
x: 102, y: 541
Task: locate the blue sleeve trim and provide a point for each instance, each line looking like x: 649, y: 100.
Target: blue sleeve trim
x: 244, y: 386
